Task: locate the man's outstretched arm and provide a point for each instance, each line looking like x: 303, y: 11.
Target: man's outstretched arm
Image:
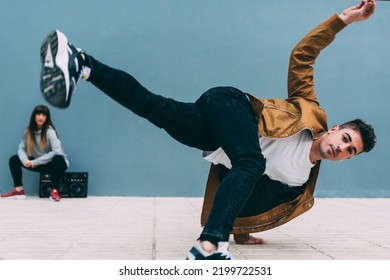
x: 303, y: 56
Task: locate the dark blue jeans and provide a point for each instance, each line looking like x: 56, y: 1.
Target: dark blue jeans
x: 221, y: 117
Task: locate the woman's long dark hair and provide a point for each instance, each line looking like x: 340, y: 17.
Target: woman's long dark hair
x: 33, y: 127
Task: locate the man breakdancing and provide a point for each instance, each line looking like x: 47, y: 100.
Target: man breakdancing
x: 281, y: 139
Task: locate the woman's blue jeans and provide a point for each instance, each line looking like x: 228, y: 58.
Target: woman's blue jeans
x: 221, y: 117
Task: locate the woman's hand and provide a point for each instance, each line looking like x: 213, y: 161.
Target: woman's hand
x: 29, y: 164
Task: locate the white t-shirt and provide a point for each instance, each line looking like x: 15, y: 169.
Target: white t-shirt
x: 287, y: 159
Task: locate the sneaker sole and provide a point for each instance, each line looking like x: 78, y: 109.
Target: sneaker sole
x: 54, y: 200
x: 14, y: 197
x: 54, y: 74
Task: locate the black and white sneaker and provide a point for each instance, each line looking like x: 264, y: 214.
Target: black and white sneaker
x: 62, y: 67
x: 222, y: 253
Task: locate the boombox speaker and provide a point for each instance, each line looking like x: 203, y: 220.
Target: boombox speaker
x: 72, y: 184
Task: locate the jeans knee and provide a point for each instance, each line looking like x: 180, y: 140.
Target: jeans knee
x: 59, y: 162
x: 14, y: 160
x: 58, y: 158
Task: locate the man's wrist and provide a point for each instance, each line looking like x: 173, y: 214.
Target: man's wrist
x: 344, y: 18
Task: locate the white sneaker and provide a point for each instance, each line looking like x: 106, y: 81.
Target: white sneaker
x: 222, y: 253
x: 62, y: 67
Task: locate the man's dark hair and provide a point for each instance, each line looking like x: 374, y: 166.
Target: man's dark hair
x: 365, y: 130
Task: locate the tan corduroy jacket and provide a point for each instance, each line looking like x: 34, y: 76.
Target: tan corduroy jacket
x: 279, y: 118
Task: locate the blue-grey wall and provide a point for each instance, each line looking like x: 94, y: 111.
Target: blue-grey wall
x: 180, y: 48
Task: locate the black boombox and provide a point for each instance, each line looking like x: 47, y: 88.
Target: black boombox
x: 72, y: 184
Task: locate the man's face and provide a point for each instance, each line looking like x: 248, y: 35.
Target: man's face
x: 341, y: 143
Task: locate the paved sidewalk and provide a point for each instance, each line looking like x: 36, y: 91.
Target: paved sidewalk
x: 158, y: 228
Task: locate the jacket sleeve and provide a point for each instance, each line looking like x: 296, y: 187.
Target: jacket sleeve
x: 22, y: 150
x: 303, y: 56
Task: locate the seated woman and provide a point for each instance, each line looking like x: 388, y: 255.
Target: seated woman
x: 40, y: 150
